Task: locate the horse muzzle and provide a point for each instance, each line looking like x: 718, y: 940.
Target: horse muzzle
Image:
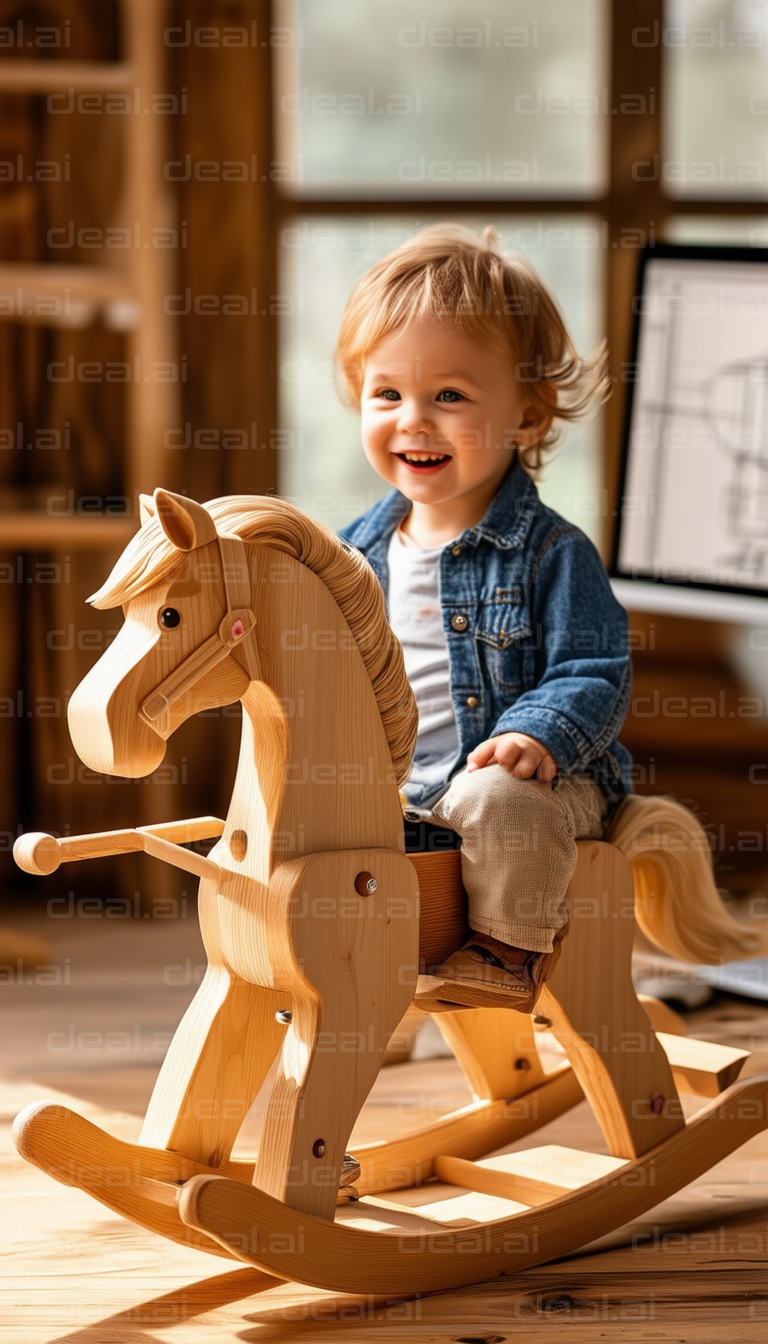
x: 107, y: 730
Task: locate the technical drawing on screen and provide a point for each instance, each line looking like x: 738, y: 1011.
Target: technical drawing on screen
x: 694, y: 497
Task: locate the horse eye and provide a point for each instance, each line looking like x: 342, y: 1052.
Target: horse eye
x: 170, y: 618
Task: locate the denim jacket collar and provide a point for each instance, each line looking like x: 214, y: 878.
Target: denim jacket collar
x: 506, y: 524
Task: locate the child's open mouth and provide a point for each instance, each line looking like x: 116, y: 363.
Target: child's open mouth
x: 424, y: 463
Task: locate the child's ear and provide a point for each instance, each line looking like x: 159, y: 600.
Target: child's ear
x: 535, y: 424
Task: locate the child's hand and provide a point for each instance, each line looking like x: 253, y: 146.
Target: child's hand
x: 523, y: 756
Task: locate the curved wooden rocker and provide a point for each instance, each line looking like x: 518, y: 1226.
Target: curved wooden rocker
x: 320, y: 933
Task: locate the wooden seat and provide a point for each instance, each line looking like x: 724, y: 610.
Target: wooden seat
x: 442, y: 906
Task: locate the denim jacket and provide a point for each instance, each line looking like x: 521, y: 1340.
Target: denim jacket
x: 537, y: 643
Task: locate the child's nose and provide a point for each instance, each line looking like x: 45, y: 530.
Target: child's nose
x: 414, y: 419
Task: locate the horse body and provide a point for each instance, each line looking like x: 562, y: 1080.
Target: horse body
x: 315, y: 776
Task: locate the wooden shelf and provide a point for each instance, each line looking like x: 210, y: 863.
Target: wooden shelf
x: 64, y: 296
x: 58, y: 76
x: 30, y: 530
x: 129, y: 299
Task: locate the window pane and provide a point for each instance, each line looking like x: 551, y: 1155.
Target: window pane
x: 716, y: 103
x: 449, y: 98
x: 323, y: 468
x: 731, y: 230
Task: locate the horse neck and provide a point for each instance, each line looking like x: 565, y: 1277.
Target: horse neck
x: 315, y: 771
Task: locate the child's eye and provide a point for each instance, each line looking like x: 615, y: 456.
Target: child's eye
x: 449, y: 394
x: 388, y: 394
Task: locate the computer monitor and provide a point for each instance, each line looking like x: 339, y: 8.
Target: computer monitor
x: 692, y: 514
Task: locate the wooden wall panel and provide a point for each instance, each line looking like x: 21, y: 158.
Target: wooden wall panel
x: 43, y: 609
x: 231, y: 247
x: 230, y: 383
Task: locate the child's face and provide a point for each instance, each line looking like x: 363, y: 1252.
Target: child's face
x: 430, y: 392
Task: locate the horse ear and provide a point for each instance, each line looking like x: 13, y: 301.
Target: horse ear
x: 147, y: 509
x: 185, y: 523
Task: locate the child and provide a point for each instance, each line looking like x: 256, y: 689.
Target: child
x: 514, y: 645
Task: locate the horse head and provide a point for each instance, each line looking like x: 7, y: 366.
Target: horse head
x: 187, y: 644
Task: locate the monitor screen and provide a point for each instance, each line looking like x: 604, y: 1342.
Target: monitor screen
x: 692, y: 515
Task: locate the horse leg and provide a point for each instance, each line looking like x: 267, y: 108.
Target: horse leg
x: 218, y: 1058
x: 349, y: 957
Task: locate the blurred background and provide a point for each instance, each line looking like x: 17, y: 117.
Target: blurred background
x: 189, y: 191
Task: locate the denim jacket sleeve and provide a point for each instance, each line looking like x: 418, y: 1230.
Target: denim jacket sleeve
x: 583, y: 674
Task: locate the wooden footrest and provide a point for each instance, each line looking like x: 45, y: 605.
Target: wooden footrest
x: 433, y: 995
x: 532, y: 1177
x: 701, y: 1067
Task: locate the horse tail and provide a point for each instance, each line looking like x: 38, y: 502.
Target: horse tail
x: 677, y: 904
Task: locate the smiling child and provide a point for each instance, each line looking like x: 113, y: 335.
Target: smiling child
x: 514, y: 645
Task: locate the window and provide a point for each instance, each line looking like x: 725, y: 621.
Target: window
x: 716, y: 89
x: 448, y: 100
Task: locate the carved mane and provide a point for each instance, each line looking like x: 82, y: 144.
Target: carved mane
x: 263, y: 520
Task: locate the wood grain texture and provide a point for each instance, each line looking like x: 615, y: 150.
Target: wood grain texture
x: 692, y: 1269
x: 349, y: 964
x: 335, y: 1255
x: 135, y: 1181
x: 307, y: 896
x: 596, y: 1015
x: 496, y: 1049
x: 700, y: 1067
x: 396, y: 1163
x: 233, y: 359
x: 270, y: 921
x: 532, y: 1178
x: 39, y: 853
x: 443, y: 915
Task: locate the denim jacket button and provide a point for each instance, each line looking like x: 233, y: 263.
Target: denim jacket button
x: 459, y: 622
x: 456, y: 550
x: 472, y: 701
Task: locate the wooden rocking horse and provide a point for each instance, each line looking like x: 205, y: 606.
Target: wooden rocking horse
x: 320, y: 933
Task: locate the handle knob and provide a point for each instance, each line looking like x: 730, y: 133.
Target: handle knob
x: 38, y: 853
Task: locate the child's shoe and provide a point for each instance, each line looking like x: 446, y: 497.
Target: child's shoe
x: 484, y: 966
x: 350, y: 1171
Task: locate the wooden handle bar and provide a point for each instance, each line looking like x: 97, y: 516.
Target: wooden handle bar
x: 40, y: 854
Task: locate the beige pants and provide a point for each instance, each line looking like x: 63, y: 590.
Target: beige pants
x: 519, y: 848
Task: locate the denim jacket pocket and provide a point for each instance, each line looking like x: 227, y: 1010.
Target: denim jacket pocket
x: 502, y: 619
x: 501, y: 631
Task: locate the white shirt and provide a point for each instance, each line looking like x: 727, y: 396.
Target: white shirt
x: 416, y: 617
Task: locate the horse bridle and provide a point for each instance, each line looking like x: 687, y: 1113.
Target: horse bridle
x: 233, y: 636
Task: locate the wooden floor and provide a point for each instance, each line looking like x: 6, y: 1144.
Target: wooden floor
x: 91, y: 1028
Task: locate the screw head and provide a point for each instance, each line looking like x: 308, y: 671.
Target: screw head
x: 366, y: 884
x: 318, y: 1148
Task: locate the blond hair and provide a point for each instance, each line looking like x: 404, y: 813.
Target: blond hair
x: 450, y: 273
